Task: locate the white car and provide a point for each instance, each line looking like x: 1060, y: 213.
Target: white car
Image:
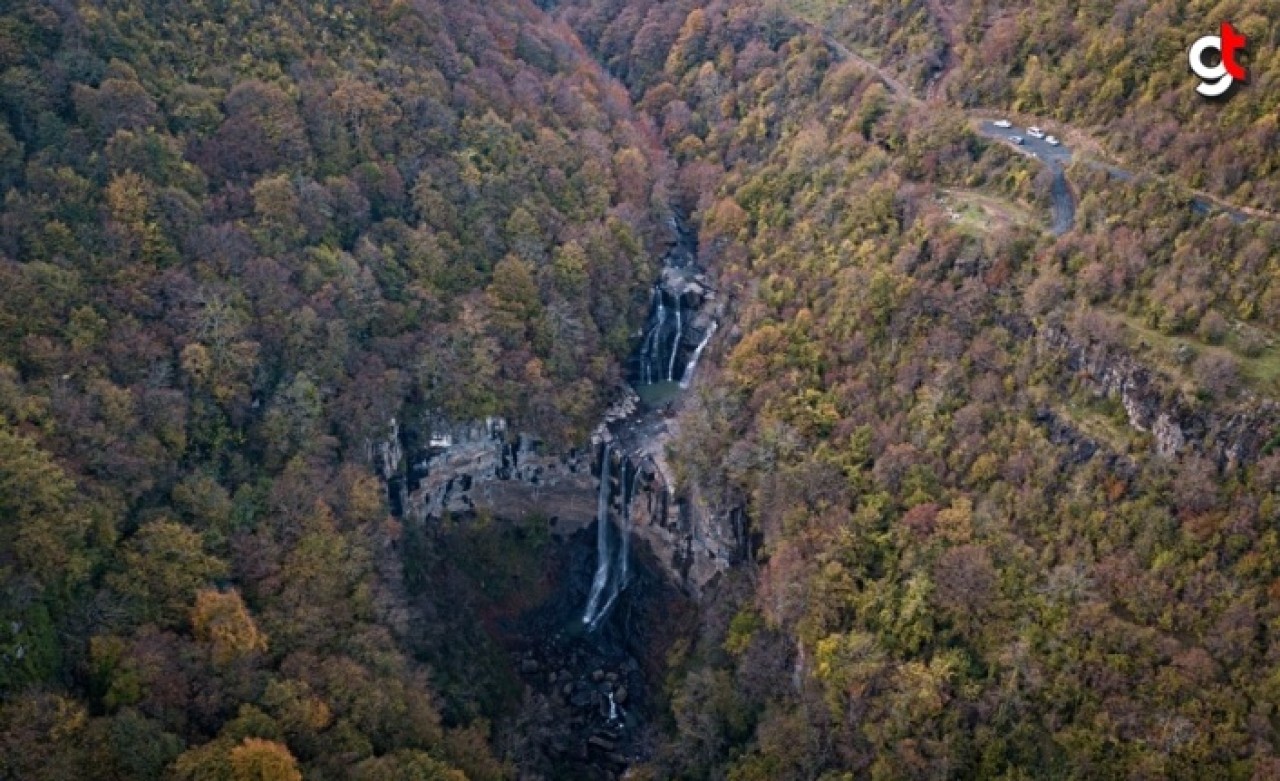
x: 1017, y: 140
x: 1052, y: 141
x: 1035, y: 132
x: 1002, y: 123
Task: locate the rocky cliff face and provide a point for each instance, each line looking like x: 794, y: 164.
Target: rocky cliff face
x: 1229, y: 435
x: 690, y: 541
x: 435, y: 467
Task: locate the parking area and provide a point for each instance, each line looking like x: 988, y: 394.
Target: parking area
x: 1036, y: 147
x: 1056, y: 157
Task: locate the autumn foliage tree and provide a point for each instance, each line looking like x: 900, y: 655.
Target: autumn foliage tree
x: 222, y: 620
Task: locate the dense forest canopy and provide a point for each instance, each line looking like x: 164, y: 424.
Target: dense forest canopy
x: 238, y: 238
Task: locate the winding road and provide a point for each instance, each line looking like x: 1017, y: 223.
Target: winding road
x: 1057, y: 158
x: 1062, y: 202
x: 895, y: 87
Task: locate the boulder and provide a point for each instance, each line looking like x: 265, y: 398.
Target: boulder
x: 601, y: 743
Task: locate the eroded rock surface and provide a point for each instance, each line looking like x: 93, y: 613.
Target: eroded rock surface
x: 438, y: 467
x: 1228, y: 434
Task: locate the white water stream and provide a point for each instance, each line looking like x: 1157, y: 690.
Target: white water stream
x: 675, y: 344
x: 689, y: 368
x: 601, y: 579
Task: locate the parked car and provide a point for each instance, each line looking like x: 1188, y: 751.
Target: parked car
x: 1035, y: 132
x: 1016, y: 140
x: 1052, y: 141
x: 1003, y: 123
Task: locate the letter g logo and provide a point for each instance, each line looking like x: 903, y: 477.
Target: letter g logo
x: 1216, y: 80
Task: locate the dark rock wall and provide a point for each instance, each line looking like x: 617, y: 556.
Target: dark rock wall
x: 437, y: 467
x: 1229, y: 434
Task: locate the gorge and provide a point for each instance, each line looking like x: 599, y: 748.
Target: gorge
x: 635, y: 389
x: 631, y: 546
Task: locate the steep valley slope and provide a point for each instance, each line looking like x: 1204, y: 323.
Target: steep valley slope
x: 622, y: 388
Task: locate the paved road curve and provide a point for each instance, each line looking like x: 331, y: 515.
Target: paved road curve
x: 1056, y: 157
x: 1036, y: 147
x: 1059, y: 157
x: 1062, y: 202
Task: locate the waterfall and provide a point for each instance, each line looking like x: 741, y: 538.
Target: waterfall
x: 687, y: 378
x: 651, y: 340
x: 648, y: 335
x: 675, y: 345
x: 621, y: 573
x: 601, y: 579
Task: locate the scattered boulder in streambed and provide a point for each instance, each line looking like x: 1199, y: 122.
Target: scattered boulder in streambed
x: 601, y: 743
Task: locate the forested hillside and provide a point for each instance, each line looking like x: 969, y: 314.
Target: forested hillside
x: 972, y: 564
x: 237, y: 238
x: 1011, y: 496
x: 1116, y: 69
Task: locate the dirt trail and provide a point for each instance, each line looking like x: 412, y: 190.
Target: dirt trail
x: 895, y: 86
x: 946, y: 18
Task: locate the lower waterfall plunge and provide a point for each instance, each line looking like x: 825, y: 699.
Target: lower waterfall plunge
x: 619, y: 581
x: 612, y: 579
x: 601, y: 579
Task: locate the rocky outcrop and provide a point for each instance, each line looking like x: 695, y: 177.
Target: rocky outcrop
x: 691, y: 542
x: 1079, y: 446
x: 437, y: 467
x: 1230, y: 435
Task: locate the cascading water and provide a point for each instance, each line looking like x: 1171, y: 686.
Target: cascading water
x: 651, y: 340
x: 687, y: 377
x: 601, y: 579
x: 680, y: 282
x: 621, y: 574
x: 675, y: 344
